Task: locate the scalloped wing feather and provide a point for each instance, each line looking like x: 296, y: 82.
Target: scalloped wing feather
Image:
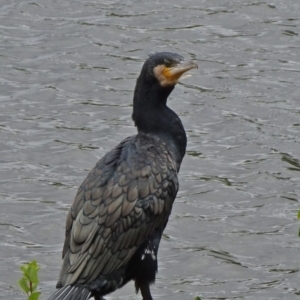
x: 125, y: 198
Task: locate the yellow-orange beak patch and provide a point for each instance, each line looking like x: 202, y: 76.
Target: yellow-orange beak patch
x: 170, y: 75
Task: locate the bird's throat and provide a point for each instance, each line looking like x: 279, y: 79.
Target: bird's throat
x: 151, y: 115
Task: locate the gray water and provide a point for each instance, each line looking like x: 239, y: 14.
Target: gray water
x: 68, y: 69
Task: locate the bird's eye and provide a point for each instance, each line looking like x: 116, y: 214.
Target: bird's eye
x: 167, y: 63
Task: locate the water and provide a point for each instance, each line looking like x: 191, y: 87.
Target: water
x: 68, y: 69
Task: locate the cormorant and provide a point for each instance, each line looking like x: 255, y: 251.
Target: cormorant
x: 121, y: 209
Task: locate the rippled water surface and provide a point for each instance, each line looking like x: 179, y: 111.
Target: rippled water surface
x: 68, y: 69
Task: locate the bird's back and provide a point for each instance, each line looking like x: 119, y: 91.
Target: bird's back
x: 125, y: 199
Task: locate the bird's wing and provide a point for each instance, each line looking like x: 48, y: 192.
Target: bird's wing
x: 122, y: 201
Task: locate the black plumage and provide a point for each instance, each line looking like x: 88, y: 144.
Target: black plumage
x: 121, y: 209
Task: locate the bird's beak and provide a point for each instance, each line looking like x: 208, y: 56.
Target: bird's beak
x: 172, y: 74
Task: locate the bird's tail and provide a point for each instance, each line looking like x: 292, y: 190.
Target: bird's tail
x: 71, y: 293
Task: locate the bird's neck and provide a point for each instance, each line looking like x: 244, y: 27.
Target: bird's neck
x: 151, y: 115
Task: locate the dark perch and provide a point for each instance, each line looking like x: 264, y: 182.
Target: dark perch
x: 121, y: 209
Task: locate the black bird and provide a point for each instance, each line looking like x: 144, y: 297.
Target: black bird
x: 121, y: 209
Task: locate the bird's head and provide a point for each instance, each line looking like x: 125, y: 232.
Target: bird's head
x: 166, y: 68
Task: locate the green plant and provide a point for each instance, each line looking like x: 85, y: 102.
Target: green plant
x: 197, y: 298
x: 29, y: 282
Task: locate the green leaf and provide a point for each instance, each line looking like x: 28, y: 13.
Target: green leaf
x: 34, y: 265
x: 298, y: 215
x: 34, y: 296
x: 299, y: 232
x: 24, y: 268
x: 197, y: 298
x: 34, y: 287
x: 29, y: 281
x: 23, y: 283
x: 32, y: 273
